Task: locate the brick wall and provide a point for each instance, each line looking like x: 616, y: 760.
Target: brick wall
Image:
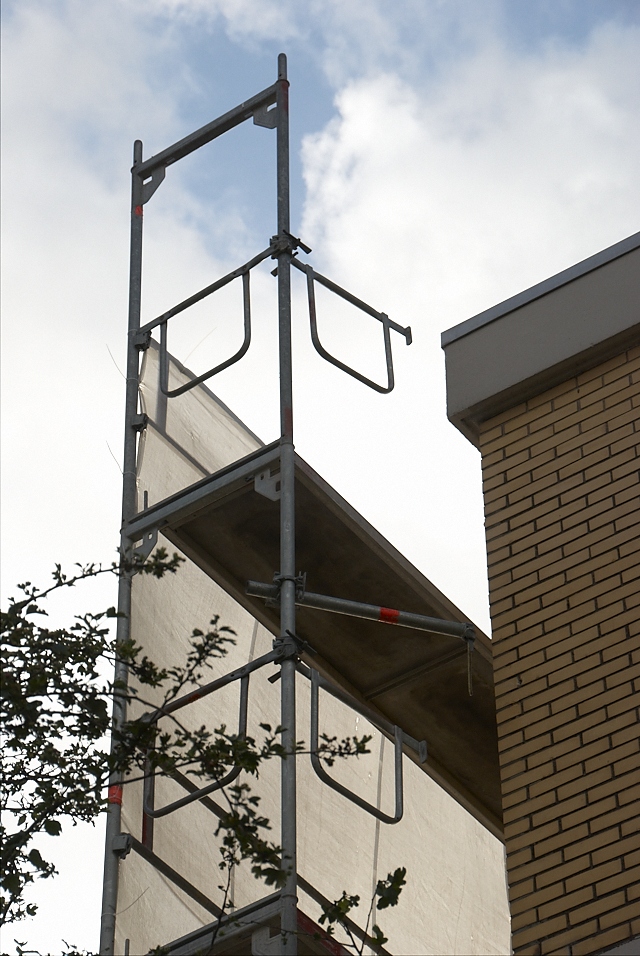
x: 561, y: 486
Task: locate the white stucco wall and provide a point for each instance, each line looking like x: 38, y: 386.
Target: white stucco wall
x: 455, y: 900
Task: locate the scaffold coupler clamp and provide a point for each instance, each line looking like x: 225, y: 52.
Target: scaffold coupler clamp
x: 303, y: 646
x: 141, y: 340
x: 140, y: 422
x: 300, y: 581
x: 291, y: 646
x: 122, y: 844
x: 286, y: 242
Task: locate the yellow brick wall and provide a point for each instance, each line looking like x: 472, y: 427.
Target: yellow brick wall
x: 562, y: 509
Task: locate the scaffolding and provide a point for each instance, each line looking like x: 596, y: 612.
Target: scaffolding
x: 273, y: 474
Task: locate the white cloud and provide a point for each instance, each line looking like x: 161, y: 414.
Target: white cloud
x: 503, y: 172
x: 65, y: 218
x: 80, y: 83
x: 437, y: 202
x: 433, y: 196
x: 244, y: 20
x: 453, y: 174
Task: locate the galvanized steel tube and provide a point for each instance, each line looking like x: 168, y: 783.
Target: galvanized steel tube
x: 129, y: 508
x: 371, y: 612
x: 288, y: 835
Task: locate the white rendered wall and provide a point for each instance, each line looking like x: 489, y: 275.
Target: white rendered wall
x: 455, y: 900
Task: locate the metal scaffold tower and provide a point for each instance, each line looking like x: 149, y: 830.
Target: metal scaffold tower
x: 272, y: 474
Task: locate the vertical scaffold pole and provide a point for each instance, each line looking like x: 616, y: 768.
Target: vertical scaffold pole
x: 287, y: 528
x: 129, y: 508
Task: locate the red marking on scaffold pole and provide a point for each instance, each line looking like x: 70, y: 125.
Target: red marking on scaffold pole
x: 389, y: 615
x: 138, y: 210
x: 115, y: 794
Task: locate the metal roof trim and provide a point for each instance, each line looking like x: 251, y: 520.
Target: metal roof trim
x: 542, y: 288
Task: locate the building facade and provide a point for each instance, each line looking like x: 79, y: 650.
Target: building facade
x: 547, y: 386
x: 449, y: 838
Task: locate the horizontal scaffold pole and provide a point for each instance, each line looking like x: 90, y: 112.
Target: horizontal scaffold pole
x: 207, y: 133
x: 371, y: 612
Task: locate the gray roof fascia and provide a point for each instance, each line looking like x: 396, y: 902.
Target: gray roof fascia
x: 542, y: 288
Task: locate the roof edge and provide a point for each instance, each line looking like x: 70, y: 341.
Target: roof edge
x: 469, y: 420
x: 541, y: 288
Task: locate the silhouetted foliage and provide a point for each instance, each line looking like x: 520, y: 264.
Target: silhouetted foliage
x: 56, y: 709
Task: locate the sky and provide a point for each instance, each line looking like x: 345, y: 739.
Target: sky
x: 445, y: 155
